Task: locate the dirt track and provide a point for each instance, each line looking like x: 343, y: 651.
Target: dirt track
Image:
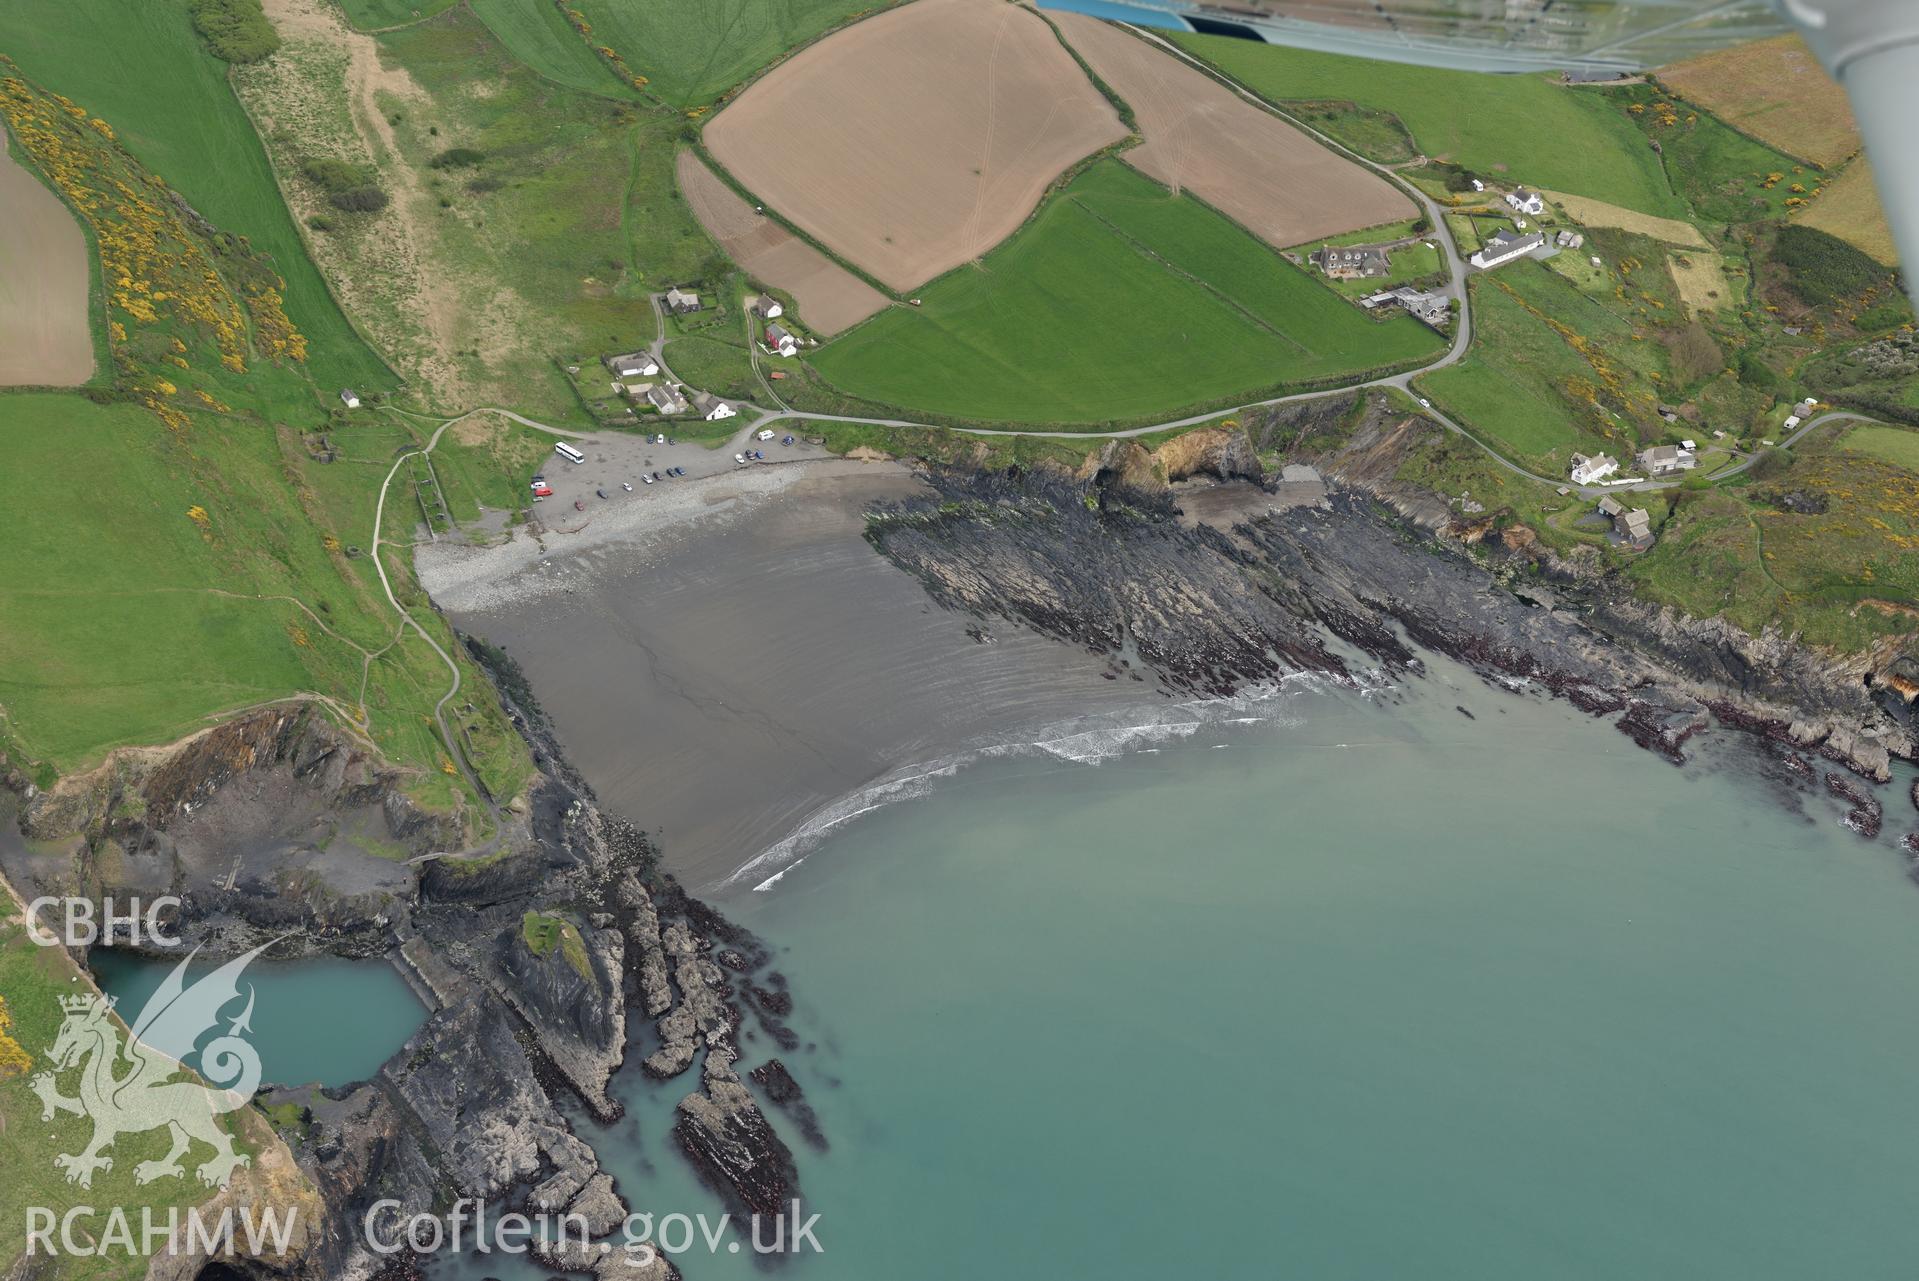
x: 1201, y: 137
x: 44, y: 338
x: 830, y: 297
x: 917, y: 140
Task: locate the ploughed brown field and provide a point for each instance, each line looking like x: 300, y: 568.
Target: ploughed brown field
x: 916, y: 140
x: 44, y: 337
x: 829, y: 297
x: 1201, y: 137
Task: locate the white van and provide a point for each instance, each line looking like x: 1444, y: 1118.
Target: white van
x: 765, y: 434
x: 569, y: 453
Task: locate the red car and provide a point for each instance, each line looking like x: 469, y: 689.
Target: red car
x: 543, y: 491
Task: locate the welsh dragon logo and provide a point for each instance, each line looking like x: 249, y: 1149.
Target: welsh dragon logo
x: 136, y: 1085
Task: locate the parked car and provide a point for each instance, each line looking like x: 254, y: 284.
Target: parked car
x: 538, y: 481
x: 786, y: 440
x: 627, y: 485
x: 679, y: 471
x: 648, y: 479
x: 739, y: 458
x: 758, y: 454
x: 766, y: 433
x: 542, y: 491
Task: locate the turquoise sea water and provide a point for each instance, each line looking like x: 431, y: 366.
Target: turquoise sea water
x: 1386, y: 993
x: 1380, y: 992
x: 327, y: 1020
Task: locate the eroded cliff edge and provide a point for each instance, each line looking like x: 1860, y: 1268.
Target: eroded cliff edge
x: 262, y: 827
x: 1194, y: 568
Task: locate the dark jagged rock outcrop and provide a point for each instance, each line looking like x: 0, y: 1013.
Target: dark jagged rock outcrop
x: 1101, y: 559
x: 729, y: 1140
x: 258, y: 826
x: 785, y: 1093
x: 1866, y: 813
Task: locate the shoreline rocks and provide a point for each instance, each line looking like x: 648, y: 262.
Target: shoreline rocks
x: 1102, y: 559
x: 238, y: 823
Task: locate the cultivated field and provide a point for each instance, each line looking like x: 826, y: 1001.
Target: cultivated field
x: 915, y: 141
x: 1597, y: 213
x: 691, y: 51
x: 1118, y: 301
x: 45, y: 338
x: 1849, y: 209
x: 1201, y: 136
x: 1776, y: 91
x: 830, y: 298
x: 1522, y: 127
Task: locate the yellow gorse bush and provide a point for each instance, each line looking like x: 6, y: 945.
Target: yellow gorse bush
x: 156, y: 267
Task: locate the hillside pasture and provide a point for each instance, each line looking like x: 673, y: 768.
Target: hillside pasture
x: 1776, y: 91
x: 916, y: 140
x: 541, y: 240
x: 692, y: 51
x: 1118, y: 301
x: 1520, y: 128
x: 538, y: 34
x: 1896, y: 445
x: 146, y: 72
x: 1274, y: 180
x: 375, y: 15
x: 46, y: 334
x: 828, y: 296
x: 1527, y: 387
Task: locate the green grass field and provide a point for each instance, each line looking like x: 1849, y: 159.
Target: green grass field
x: 1118, y: 301
x: 1521, y: 385
x: 710, y: 364
x: 146, y: 71
x: 691, y: 51
x: 184, y: 554
x: 124, y: 636
x: 130, y: 623
x: 1896, y: 445
x: 538, y: 35
x: 371, y: 15
x: 1521, y: 128
x: 1374, y: 134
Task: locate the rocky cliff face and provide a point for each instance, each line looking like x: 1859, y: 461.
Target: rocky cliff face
x: 277, y: 822
x: 1340, y: 568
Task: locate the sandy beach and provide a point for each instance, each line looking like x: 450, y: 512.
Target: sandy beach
x: 734, y: 668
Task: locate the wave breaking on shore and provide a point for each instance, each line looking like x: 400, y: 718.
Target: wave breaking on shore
x: 1091, y: 741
